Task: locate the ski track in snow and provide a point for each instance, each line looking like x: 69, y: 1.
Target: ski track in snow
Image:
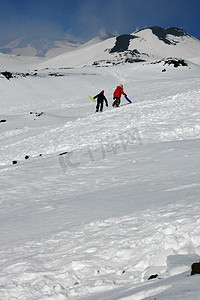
x: 121, y: 205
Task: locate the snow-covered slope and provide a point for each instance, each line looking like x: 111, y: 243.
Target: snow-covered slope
x: 17, y: 63
x: 80, y: 57
x: 122, y: 201
x: 147, y: 44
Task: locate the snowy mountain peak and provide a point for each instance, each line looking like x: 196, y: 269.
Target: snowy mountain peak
x: 163, y: 33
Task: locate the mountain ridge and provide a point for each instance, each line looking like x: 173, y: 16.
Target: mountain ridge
x: 147, y: 44
x: 46, y: 47
x: 162, y: 33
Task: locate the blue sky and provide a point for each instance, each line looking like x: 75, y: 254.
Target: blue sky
x: 85, y: 19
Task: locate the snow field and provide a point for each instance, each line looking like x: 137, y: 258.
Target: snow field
x: 103, y: 255
x: 120, y: 205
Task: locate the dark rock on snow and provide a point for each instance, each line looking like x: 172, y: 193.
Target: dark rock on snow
x: 63, y: 153
x: 195, y: 268
x: 176, y: 62
x: 8, y: 75
x: 122, y: 43
x: 153, y: 276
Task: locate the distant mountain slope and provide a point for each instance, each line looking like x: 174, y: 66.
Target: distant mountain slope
x: 47, y: 48
x: 146, y: 44
x: 38, y: 47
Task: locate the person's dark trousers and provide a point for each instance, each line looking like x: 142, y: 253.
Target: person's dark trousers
x: 99, y: 104
x: 116, y: 102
